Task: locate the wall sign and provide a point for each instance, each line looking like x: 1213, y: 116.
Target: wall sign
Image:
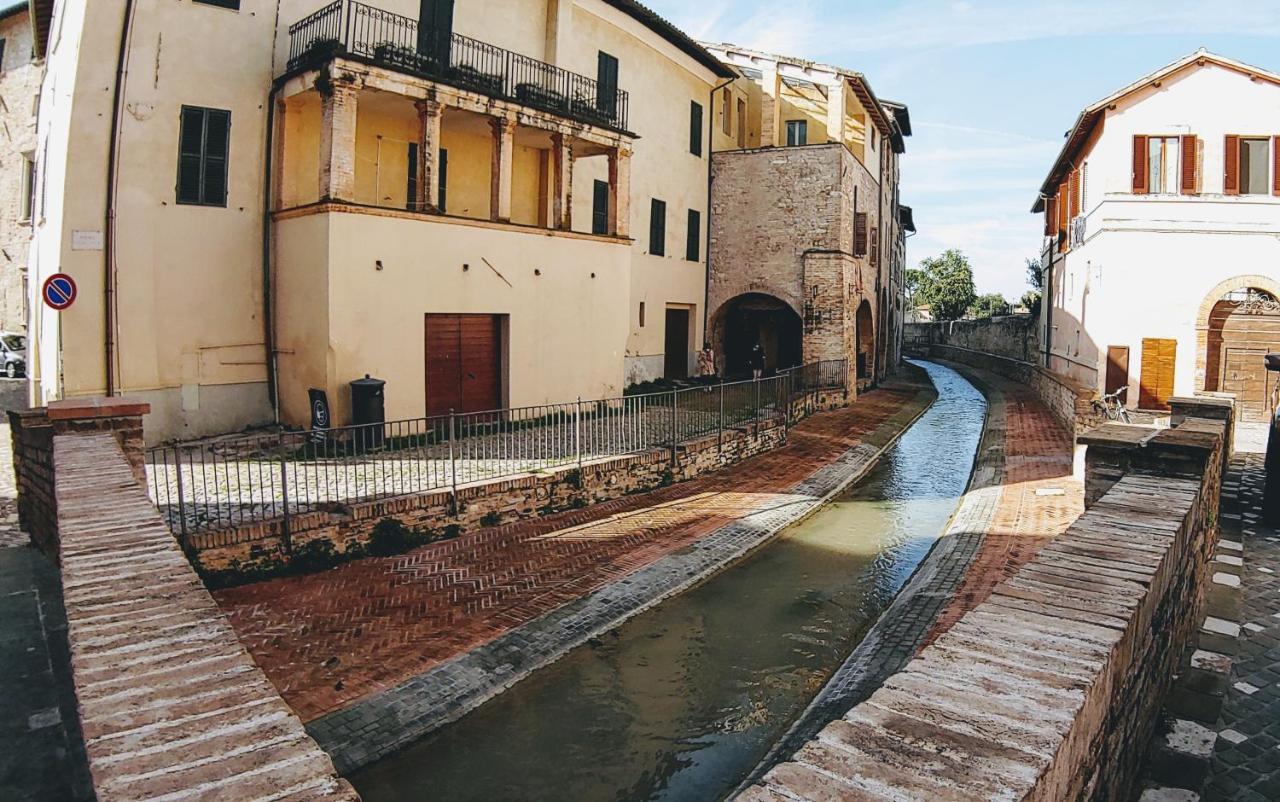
x: 86, y: 240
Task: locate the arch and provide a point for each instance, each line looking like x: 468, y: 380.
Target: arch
x: 1205, y: 376
x: 750, y: 318
x: 865, y: 345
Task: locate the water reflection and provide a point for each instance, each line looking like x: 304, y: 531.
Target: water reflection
x: 682, y: 701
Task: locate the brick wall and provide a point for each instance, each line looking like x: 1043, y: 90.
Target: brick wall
x: 1013, y: 336
x: 1090, y: 634
x: 33, y: 474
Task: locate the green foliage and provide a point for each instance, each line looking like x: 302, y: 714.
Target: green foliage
x: 946, y: 285
x: 1035, y: 279
x: 1031, y: 300
x: 315, y: 555
x: 573, y: 478
x: 989, y: 305
x: 491, y: 519
x: 913, y: 277
x: 390, y: 537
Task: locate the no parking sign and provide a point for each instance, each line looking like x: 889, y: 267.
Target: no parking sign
x: 59, y: 291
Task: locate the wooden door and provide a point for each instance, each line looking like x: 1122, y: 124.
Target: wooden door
x: 1156, y: 386
x: 463, y: 363
x: 1118, y: 371
x: 677, y: 344
x: 1239, y: 340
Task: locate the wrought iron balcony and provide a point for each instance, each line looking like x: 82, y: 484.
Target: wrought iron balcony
x: 355, y: 30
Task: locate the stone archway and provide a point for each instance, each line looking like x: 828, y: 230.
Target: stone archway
x: 1218, y: 322
x: 751, y: 318
x: 865, y: 349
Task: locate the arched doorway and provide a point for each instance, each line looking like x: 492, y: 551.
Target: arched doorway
x: 1242, y: 327
x: 866, y: 346
x: 754, y: 318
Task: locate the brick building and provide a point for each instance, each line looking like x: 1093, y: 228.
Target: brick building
x: 807, y: 235
x: 20, y: 75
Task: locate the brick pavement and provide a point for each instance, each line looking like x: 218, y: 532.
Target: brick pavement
x: 327, y: 640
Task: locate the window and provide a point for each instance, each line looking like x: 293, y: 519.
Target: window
x: 202, y: 156
x: 726, y: 109
x: 444, y: 180
x: 695, y: 128
x: 693, y: 239
x: 411, y: 185
x: 2, y: 41
x: 231, y: 4
x: 1162, y: 164
x: 742, y: 123
x: 797, y: 132
x: 1255, y: 166
x: 600, y: 207
x: 642, y: 314
x: 860, y: 234
x: 607, y: 83
x: 658, y: 227
x: 28, y: 187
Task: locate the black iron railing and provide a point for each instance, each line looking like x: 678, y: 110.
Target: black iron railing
x: 355, y: 30
x: 235, y: 481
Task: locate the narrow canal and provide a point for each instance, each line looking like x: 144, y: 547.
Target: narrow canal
x: 682, y: 701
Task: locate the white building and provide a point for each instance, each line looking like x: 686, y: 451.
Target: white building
x: 1162, y: 225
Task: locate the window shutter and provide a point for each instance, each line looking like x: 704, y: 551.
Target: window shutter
x: 1073, y: 190
x: 411, y: 185
x: 875, y: 247
x: 1140, y: 165
x: 695, y: 128
x: 443, y: 201
x: 217, y: 137
x: 693, y: 239
x: 658, y: 227
x: 1231, y: 163
x: 600, y: 208
x: 190, y: 144
x: 1050, y: 216
x: 1063, y: 205
x: 860, y: 234
x: 1190, y: 159
x: 1275, y: 167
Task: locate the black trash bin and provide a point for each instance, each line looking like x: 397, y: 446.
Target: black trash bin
x: 368, y: 411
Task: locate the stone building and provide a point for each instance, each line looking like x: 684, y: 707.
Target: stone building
x: 807, y: 233
x: 20, y: 74
x: 502, y: 203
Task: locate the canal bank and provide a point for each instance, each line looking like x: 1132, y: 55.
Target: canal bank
x: 681, y: 701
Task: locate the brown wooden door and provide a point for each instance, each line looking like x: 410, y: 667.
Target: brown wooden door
x: 1239, y: 340
x: 1118, y: 370
x: 463, y: 363
x: 1156, y: 387
x: 677, y: 344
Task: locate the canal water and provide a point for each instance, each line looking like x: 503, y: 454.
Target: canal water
x: 682, y: 701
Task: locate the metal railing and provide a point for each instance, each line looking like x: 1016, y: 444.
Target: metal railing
x: 348, y: 28
x: 232, y: 482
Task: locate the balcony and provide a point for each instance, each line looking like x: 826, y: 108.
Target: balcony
x: 356, y: 31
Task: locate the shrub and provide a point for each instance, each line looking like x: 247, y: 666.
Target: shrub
x: 390, y: 537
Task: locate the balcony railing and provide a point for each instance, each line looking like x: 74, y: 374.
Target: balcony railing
x: 355, y: 30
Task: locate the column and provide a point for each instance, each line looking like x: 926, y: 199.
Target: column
x: 500, y: 169
x: 338, y: 143
x: 279, y: 154
x: 430, y: 114
x: 771, y: 109
x: 620, y: 192
x: 562, y: 183
x: 835, y: 110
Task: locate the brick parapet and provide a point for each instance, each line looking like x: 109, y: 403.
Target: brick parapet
x: 170, y: 703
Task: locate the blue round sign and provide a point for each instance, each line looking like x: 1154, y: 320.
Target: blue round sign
x: 59, y: 291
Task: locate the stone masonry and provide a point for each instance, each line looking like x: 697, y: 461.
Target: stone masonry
x: 20, y: 78
x: 171, y: 705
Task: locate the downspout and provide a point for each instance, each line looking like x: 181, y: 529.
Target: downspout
x: 706, y: 284
x: 268, y: 316
x: 113, y: 167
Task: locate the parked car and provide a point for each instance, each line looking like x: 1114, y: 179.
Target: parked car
x: 13, y: 347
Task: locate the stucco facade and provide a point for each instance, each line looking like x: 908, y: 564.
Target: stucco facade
x: 1137, y: 260
x: 806, y: 239
x: 355, y: 260
x: 19, y: 90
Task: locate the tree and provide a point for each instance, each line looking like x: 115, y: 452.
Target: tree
x: 913, y: 279
x: 1031, y: 300
x: 946, y: 285
x: 989, y: 305
x: 1035, y: 278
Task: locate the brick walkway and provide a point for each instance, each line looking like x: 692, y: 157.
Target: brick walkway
x: 1246, y: 757
x: 1038, y: 500
x: 327, y: 640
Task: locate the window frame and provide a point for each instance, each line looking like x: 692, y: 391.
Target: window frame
x: 1268, y: 163
x: 802, y: 127
x: 1152, y: 178
x: 28, y: 188
x: 229, y: 5
x: 206, y: 113
x: 657, y: 227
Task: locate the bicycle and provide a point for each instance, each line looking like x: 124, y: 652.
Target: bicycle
x: 1111, y: 407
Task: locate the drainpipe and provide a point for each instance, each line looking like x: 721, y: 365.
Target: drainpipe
x: 268, y: 316
x: 706, y: 284
x: 109, y: 223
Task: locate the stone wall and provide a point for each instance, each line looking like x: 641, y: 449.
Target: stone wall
x: 20, y: 77
x: 1012, y: 336
x: 170, y: 703
x: 1090, y: 633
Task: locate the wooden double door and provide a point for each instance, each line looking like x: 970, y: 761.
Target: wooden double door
x: 464, y: 363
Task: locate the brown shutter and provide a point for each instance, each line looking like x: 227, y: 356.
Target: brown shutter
x: 1140, y: 165
x: 1062, y: 216
x: 1073, y: 188
x: 1231, y: 159
x: 1190, y: 154
x: 1275, y: 167
x: 1050, y: 216
x: 860, y: 234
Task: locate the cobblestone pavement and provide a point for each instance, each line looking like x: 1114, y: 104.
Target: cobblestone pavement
x: 41, y: 754
x: 1038, y: 498
x: 329, y: 639
x: 1246, y: 758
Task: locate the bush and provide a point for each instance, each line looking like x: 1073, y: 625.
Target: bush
x: 390, y: 537
x: 490, y: 519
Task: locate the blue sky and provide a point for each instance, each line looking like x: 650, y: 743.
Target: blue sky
x: 993, y: 85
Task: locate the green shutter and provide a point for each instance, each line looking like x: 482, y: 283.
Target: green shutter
x: 693, y: 239
x: 600, y: 208
x: 658, y: 228
x: 695, y: 128
x: 204, y: 146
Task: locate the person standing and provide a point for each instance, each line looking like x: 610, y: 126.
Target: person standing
x: 757, y: 360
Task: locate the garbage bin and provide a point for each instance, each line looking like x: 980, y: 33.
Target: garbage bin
x: 368, y: 411
x: 1271, y: 493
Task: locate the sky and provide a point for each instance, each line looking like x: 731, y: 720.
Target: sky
x: 993, y: 86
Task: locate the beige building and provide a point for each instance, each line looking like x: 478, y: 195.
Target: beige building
x: 807, y: 243
x: 488, y: 204
x: 19, y: 93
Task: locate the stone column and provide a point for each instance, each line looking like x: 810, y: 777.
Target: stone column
x: 562, y: 183
x: 338, y: 142
x: 620, y: 192
x: 500, y: 170
x: 430, y: 114
x: 835, y: 111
